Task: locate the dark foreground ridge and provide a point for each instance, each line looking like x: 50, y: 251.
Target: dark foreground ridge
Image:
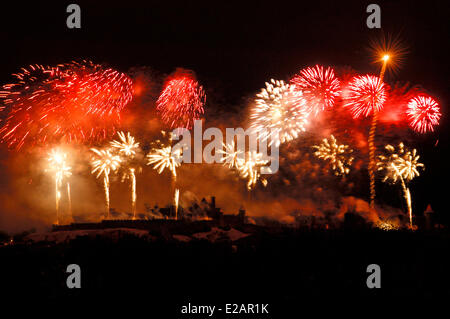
x: 280, y: 266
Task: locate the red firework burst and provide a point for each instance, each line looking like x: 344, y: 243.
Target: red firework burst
x: 365, y: 94
x: 423, y: 113
x: 74, y: 102
x: 320, y: 87
x: 181, y: 101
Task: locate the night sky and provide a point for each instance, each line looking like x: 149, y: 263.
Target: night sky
x: 234, y: 47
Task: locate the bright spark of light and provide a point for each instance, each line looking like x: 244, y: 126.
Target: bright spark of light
x: 338, y: 155
x: 390, y: 50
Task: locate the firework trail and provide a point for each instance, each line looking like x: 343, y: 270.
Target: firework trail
x: 366, y: 96
x: 73, y: 102
x: 181, y: 101
x: 103, y: 164
x: 320, y: 87
x: 423, y: 113
x: 279, y: 113
x: 176, y: 199
x: 58, y: 166
x: 339, y: 155
x: 163, y: 156
x: 128, y: 147
x: 401, y: 165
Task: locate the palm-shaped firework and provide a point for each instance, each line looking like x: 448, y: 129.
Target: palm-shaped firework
x: 232, y: 155
x: 102, y: 164
x: 163, y: 156
x: 401, y: 165
x: 338, y: 155
x: 128, y: 148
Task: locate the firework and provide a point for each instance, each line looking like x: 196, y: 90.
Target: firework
x: 103, y: 164
x: 401, y: 165
x: 176, y: 201
x: 388, y: 48
x: 58, y: 166
x: 181, y: 101
x: 320, y: 87
x: 423, y: 113
x: 128, y: 147
x: 279, y: 112
x: 74, y: 102
x: 366, y: 95
x: 232, y: 155
x: 249, y: 168
x: 162, y: 156
x: 339, y: 155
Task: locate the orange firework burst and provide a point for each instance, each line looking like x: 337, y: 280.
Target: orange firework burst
x: 366, y: 94
x: 423, y: 113
x: 74, y: 102
x: 320, y: 87
x: 181, y: 102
